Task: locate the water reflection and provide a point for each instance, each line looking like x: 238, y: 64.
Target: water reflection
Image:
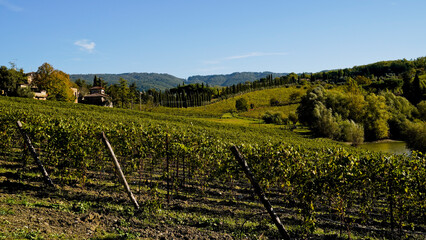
x: 395, y: 147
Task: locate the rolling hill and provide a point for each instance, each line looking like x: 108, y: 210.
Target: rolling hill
x: 231, y: 79
x: 144, y: 81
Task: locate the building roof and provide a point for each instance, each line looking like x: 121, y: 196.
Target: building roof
x: 95, y: 95
x: 96, y: 87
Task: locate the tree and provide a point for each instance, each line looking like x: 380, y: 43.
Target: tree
x: 241, y: 104
x: 325, y: 124
x: 10, y: 79
x: 352, y: 86
x: 56, y: 83
x: 293, y: 117
x: 307, y: 105
x: 361, y: 80
x: 83, y: 87
x: 415, y: 133
x: 352, y: 132
x: 274, y: 102
x: 416, y: 90
x: 421, y: 107
x: 24, y: 92
x: 294, y: 96
x: 96, y: 81
x: 113, y: 92
x: 275, y: 118
x: 133, y: 93
x: 376, y: 118
x: 407, y: 87
x: 123, y: 92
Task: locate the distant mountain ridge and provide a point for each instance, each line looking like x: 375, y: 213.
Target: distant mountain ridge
x: 231, y: 79
x: 145, y: 81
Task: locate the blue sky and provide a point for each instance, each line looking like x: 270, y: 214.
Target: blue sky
x: 201, y: 37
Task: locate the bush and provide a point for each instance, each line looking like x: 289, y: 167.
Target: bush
x: 415, y: 135
x: 293, y: 117
x: 294, y: 96
x: 275, y: 118
x: 274, y: 102
x: 352, y: 132
x: 421, y: 107
x: 25, y: 92
x: 241, y: 104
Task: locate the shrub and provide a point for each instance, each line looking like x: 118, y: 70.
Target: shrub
x: 352, y: 132
x: 293, y: 117
x: 274, y: 102
x: 294, y: 96
x: 25, y: 92
x: 325, y: 124
x: 415, y: 135
x: 241, y: 104
x: 421, y: 107
x: 275, y: 118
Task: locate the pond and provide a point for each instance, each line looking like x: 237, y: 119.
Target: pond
x: 395, y: 147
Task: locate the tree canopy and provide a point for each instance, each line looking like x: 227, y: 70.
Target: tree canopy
x: 56, y: 83
x: 10, y: 79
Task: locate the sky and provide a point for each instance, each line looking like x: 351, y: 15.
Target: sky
x: 202, y: 37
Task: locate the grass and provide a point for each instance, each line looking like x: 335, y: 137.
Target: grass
x: 260, y: 99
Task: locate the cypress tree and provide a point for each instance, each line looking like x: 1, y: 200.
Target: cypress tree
x: 416, y: 90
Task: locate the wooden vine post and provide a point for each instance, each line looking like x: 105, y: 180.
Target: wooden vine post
x: 34, y: 154
x: 167, y: 169
x: 119, y: 171
x: 260, y: 193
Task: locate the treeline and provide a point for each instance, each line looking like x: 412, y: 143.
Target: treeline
x: 55, y: 82
x: 223, y: 80
x: 402, y: 77
x: 143, y: 81
x: 11, y: 79
x: 193, y: 95
x: 351, y: 114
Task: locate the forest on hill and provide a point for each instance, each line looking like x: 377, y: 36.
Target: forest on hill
x: 231, y: 79
x: 143, y: 81
x: 146, y: 81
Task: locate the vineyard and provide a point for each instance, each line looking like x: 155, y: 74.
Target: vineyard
x: 189, y: 184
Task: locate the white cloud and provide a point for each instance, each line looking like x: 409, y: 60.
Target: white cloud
x: 85, y: 45
x: 256, y: 54
x: 10, y: 6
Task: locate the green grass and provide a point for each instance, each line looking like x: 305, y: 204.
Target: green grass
x: 260, y: 99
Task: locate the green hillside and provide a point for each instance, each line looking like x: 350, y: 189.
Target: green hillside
x: 260, y: 99
x: 231, y: 79
x: 144, y: 81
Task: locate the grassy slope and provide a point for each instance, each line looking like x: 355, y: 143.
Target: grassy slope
x: 185, y: 217
x: 260, y: 99
x: 235, y: 130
